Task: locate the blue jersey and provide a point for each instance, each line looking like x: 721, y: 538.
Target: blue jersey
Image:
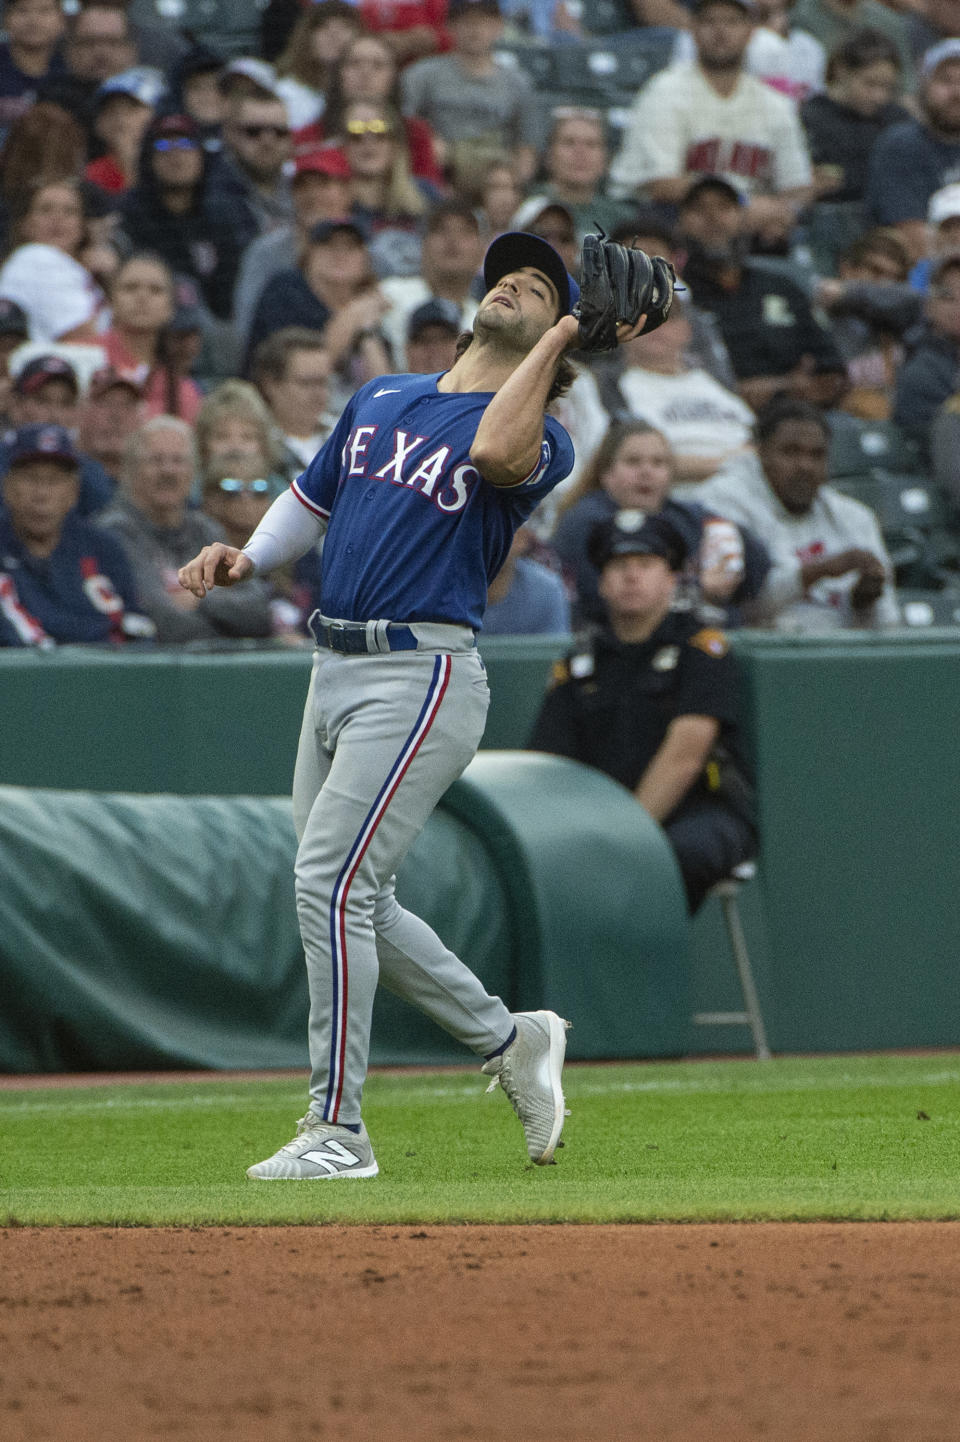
x: 415, y: 532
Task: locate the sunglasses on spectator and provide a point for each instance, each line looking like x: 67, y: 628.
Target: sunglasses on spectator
x: 257, y: 132
x: 176, y: 142
x: 369, y: 127
x: 232, y: 487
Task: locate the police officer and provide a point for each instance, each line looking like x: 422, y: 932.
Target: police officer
x: 650, y: 698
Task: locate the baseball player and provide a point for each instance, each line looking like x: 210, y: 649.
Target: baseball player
x: 420, y: 489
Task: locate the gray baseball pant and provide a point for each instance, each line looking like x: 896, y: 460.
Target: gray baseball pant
x: 383, y: 737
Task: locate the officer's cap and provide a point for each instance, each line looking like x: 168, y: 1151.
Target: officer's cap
x: 636, y: 533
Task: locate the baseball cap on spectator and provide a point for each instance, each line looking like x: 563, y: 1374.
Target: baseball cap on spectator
x: 325, y: 229
x: 637, y: 533
x: 715, y: 183
x: 944, y: 204
x: 538, y: 205
x: 517, y: 248
x: 440, y: 312
x: 43, y: 368
x: 248, y: 67
x: 472, y: 7
x: 108, y: 379
x: 13, y: 318
x: 141, y: 82
x: 325, y: 161
x: 41, y: 443
x: 188, y: 313
x: 937, y: 54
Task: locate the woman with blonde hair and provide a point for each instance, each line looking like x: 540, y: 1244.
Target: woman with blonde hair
x: 235, y: 435
x: 313, y: 48
x: 632, y: 470
x: 390, y: 202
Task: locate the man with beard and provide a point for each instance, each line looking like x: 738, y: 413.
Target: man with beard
x: 775, y: 340
x: 710, y: 117
x: 913, y: 160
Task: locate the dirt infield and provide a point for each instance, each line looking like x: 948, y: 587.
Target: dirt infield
x: 537, y: 1334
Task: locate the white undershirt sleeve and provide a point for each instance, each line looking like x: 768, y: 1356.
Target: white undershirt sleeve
x: 287, y: 531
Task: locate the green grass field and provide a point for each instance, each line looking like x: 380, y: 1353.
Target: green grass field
x: 862, y: 1137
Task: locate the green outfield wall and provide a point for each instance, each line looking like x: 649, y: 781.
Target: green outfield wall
x: 157, y: 929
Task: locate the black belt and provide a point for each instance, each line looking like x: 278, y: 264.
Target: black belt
x: 353, y: 638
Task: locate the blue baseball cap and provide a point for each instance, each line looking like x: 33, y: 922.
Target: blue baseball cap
x: 517, y: 248
x: 41, y: 443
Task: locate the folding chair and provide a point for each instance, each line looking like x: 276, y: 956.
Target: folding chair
x: 727, y: 892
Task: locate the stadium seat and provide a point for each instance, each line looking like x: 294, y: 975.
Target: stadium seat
x: 923, y: 609
x: 829, y: 229
x: 918, y: 525
x: 860, y: 448
x: 727, y: 893
x: 609, y: 73
x: 534, y: 60
x: 230, y: 27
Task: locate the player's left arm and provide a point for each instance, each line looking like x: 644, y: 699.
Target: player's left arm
x: 675, y: 766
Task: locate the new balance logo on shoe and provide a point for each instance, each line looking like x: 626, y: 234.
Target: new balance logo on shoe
x: 333, y: 1159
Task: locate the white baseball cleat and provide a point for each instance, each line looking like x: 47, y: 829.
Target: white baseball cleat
x: 530, y: 1073
x: 319, y: 1151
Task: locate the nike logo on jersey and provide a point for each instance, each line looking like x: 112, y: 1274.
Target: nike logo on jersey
x: 387, y: 391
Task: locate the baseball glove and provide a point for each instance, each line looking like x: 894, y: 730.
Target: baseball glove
x: 620, y: 283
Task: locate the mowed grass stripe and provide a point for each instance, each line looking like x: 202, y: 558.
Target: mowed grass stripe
x: 834, y: 1138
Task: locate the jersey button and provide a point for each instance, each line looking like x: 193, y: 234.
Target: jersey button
x: 369, y: 495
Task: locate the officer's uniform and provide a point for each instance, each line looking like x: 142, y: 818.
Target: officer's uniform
x: 610, y: 707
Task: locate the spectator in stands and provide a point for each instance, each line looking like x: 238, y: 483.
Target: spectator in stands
x: 554, y: 222
x: 43, y: 273
x: 845, y: 122
x: 172, y: 211
x: 14, y: 330
x: 911, y: 161
x: 391, y: 204
x: 235, y: 437
x: 871, y: 307
x: 576, y: 159
x: 112, y: 411
x: 46, y: 392
x: 775, y: 339
x: 432, y: 331
x: 100, y: 42
x: 943, y: 233
x: 143, y: 300
x: 651, y: 699
x: 161, y: 46
x: 31, y: 51
x: 249, y: 175
x: 834, y: 21
x: 320, y: 188
x: 779, y: 54
x: 304, y: 70
x: 333, y: 290
x: 124, y: 107
x: 525, y: 597
x: 930, y: 375
x: 45, y: 143
x: 498, y: 197
x: 61, y: 578
x: 367, y: 70
x: 712, y: 118
x: 632, y: 469
x: 337, y: 21
x: 152, y: 520
x: 450, y: 258
x: 830, y: 566
x: 475, y: 107
x: 414, y: 28
x: 702, y: 420
x: 292, y: 371
x: 196, y: 91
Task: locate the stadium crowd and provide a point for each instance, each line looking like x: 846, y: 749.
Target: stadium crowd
x: 207, y: 247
